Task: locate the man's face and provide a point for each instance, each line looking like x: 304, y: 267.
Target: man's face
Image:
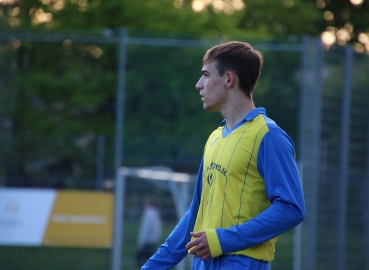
x: 212, y: 88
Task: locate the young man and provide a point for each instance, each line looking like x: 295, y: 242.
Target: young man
x: 248, y: 189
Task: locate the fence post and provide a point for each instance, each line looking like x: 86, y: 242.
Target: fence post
x: 344, y: 158
x: 309, y: 146
x: 118, y: 221
x: 100, y: 159
x: 297, y: 233
x: 119, y: 179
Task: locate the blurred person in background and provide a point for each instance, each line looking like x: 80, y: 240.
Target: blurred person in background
x: 150, y: 231
x: 248, y: 190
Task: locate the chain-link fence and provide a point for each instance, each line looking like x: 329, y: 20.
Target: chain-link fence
x: 334, y: 154
x: 74, y: 107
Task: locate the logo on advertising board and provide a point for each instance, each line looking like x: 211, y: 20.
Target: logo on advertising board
x: 9, y: 220
x: 23, y: 215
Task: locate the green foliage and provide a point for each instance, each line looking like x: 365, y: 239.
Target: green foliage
x: 261, y: 18
x: 280, y: 18
x: 256, y: 18
x: 54, y: 108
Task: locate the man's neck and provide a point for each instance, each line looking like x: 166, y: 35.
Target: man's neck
x: 236, y: 114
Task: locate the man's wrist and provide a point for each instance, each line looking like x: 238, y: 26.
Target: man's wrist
x: 214, y: 244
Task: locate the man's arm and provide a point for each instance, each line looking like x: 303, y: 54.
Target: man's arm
x: 174, y: 249
x: 277, y: 166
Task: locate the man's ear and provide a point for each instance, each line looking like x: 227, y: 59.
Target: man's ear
x: 231, y: 79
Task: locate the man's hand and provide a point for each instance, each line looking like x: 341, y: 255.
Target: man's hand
x: 200, y: 246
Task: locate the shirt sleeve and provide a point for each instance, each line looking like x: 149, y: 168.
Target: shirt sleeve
x: 174, y: 249
x: 277, y: 166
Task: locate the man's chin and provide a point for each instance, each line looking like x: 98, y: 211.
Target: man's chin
x: 209, y: 109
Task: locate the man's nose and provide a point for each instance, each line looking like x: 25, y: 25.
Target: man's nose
x: 199, y: 85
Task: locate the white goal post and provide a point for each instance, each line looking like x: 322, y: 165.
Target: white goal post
x: 178, y: 184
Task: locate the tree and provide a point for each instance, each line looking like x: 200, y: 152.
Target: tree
x: 215, y: 17
x: 346, y: 22
x: 340, y: 21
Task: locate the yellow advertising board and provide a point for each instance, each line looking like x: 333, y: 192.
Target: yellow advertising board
x: 56, y: 218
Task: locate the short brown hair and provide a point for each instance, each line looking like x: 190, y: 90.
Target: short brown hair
x: 240, y: 58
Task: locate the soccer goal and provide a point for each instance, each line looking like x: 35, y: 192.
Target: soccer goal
x: 177, y: 183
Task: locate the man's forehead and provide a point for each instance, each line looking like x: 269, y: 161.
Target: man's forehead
x: 209, y: 67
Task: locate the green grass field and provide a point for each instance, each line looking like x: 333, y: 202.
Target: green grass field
x: 50, y: 258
